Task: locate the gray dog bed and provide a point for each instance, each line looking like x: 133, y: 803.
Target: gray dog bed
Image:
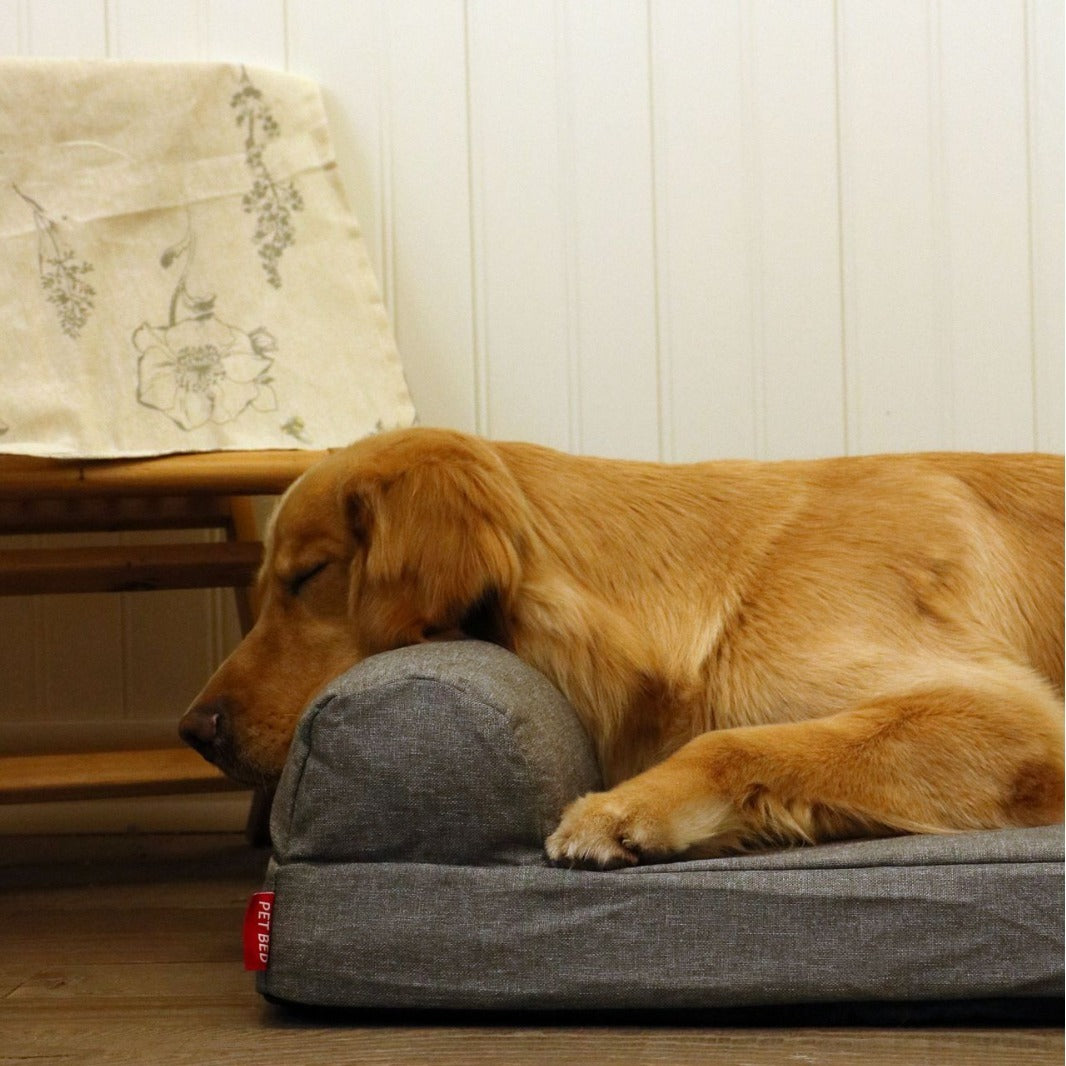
x: 408, y: 871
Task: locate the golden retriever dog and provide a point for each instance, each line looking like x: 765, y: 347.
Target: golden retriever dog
x: 764, y: 654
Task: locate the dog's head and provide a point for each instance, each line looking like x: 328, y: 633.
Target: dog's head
x: 402, y: 538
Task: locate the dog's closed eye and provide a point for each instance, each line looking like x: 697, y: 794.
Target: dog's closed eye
x: 298, y: 581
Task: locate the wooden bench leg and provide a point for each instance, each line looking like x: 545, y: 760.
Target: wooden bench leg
x: 244, y: 527
x: 257, y: 828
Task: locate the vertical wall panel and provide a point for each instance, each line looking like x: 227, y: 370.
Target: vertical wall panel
x: 703, y: 227
x: 986, y: 222
x: 245, y: 31
x: 608, y: 180
x: 520, y: 263
x: 156, y: 29
x: 170, y: 643
x: 748, y: 235
x: 896, y: 291
x: 81, y: 662
x: 75, y: 29
x: 428, y: 209
x: 1047, y: 222
x: 12, y: 29
x: 796, y: 240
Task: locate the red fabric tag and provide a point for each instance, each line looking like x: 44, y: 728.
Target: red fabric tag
x: 257, y: 930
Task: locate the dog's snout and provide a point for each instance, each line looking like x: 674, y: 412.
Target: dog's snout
x: 200, y: 728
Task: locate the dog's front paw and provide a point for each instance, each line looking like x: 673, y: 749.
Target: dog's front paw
x: 605, y: 831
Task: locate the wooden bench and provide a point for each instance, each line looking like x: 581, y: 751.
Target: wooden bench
x: 213, y: 490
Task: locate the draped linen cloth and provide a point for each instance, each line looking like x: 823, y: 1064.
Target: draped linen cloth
x: 179, y: 271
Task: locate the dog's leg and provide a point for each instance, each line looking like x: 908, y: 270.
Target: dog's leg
x: 937, y: 758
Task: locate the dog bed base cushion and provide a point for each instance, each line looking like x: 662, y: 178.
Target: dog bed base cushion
x: 408, y: 872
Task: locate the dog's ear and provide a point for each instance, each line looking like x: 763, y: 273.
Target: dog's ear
x: 440, y: 528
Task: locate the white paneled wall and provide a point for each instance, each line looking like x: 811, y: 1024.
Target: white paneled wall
x: 681, y: 229
x: 658, y: 228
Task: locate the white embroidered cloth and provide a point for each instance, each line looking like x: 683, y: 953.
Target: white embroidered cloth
x: 178, y: 268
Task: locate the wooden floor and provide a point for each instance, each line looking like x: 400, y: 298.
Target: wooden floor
x: 126, y: 950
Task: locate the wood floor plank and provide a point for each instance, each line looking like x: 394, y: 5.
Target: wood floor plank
x: 10, y: 979
x: 192, y: 982
x: 129, y: 935
x: 116, y: 1033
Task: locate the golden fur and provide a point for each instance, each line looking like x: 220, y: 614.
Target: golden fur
x: 762, y: 653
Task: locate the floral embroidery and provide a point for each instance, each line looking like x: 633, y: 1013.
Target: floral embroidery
x: 203, y: 370
x: 200, y: 369
x: 62, y: 273
x: 273, y: 202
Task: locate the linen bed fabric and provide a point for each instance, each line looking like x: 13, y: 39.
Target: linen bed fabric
x: 409, y: 872
x: 454, y: 753
x: 179, y: 271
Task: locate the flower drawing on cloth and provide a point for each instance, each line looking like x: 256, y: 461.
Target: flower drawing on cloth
x: 199, y: 369
x: 204, y: 370
x: 4, y: 427
x: 273, y: 202
x: 62, y: 273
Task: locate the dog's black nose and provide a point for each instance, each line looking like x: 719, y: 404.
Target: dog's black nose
x: 199, y: 728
